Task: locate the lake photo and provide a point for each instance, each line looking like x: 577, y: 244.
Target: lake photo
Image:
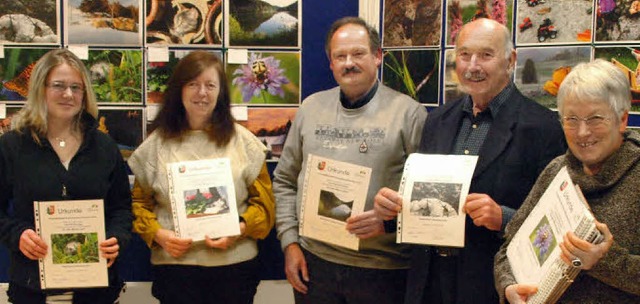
x: 264, y: 23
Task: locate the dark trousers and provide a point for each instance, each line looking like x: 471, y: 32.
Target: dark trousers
x: 335, y: 284
x: 230, y: 284
x: 442, y: 281
x: 22, y: 295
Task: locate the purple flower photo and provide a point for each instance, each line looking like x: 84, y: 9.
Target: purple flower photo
x: 543, y: 240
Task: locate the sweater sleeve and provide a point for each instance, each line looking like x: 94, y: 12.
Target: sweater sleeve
x: 260, y: 214
x: 145, y: 223
x: 10, y: 227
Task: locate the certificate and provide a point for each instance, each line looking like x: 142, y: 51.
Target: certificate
x: 72, y: 230
x: 534, y: 251
x: 433, y: 189
x: 333, y: 191
x: 203, y: 199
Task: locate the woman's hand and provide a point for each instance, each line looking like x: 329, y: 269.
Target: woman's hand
x: 226, y: 242
x: 519, y: 293
x: 174, y: 246
x: 589, y: 254
x: 32, y: 246
x: 109, y: 250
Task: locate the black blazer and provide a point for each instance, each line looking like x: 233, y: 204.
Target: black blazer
x: 523, y: 139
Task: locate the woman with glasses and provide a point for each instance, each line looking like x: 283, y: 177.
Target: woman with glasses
x: 604, y: 161
x: 53, y: 153
x: 195, y: 123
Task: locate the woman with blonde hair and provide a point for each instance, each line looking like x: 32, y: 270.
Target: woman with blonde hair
x: 53, y: 153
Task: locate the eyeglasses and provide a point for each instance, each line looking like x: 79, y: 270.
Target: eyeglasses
x: 61, y: 87
x: 573, y: 122
x: 195, y: 86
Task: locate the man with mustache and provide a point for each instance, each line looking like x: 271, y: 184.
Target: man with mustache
x: 361, y: 122
x: 514, y: 138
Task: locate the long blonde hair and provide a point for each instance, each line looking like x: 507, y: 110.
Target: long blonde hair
x: 33, y: 117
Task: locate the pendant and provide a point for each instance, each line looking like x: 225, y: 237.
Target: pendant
x: 363, y: 147
x: 62, y: 144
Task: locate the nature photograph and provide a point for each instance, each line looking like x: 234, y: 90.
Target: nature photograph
x: 5, y: 122
x: 116, y: 75
x: 409, y: 23
x: 206, y: 202
x: 103, y: 22
x: 543, y: 240
x: 627, y: 59
x: 554, y: 22
x: 268, y: 78
x: 124, y: 125
x: 332, y: 205
x: 263, y: 23
x: 413, y: 72
x: 184, y: 22
x: 435, y: 199
x: 15, y: 71
x: 271, y: 126
x: 29, y: 22
x: 540, y: 70
x: 75, y: 248
x: 451, y: 85
x: 461, y: 12
x: 618, y: 21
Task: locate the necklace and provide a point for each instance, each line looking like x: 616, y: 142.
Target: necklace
x: 61, y: 142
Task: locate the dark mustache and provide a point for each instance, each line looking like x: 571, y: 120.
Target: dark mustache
x: 351, y: 70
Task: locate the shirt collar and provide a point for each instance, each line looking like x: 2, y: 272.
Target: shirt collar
x: 494, y: 105
x: 360, y: 102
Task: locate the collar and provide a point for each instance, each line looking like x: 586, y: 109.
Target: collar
x: 360, y: 102
x: 494, y: 105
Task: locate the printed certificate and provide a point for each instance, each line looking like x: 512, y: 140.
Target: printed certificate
x: 203, y: 199
x: 534, y: 251
x: 433, y: 189
x: 333, y: 191
x: 72, y: 230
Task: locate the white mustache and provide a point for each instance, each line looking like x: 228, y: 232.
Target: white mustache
x: 474, y: 75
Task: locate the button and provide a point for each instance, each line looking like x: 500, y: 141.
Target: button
x: 474, y: 126
x: 466, y: 151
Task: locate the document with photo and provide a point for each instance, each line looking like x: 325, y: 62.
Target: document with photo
x: 433, y: 190
x: 72, y: 230
x: 534, y: 252
x: 333, y: 191
x: 203, y: 199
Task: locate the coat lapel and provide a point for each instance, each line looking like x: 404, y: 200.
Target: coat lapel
x: 500, y: 133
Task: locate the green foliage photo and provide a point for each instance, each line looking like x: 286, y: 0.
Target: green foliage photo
x: 116, y: 75
x: 75, y: 248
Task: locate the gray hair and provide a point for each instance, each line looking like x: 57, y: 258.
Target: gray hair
x: 597, y: 81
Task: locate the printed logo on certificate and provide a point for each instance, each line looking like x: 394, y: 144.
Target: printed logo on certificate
x: 333, y: 191
x: 203, y: 199
x: 72, y: 230
x: 434, y: 189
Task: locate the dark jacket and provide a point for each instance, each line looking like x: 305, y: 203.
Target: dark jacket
x: 524, y: 137
x: 30, y: 172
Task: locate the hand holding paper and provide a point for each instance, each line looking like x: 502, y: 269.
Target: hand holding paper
x: 32, y: 246
x: 387, y: 204
x: 109, y: 250
x: 365, y: 225
x: 588, y: 253
x: 519, y: 293
x: 173, y: 245
x: 484, y: 211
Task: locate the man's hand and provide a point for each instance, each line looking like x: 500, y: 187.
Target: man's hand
x: 588, y: 253
x: 174, y: 246
x: 109, y: 249
x: 365, y: 225
x: 294, y: 266
x: 484, y: 211
x: 519, y: 293
x: 31, y: 245
x: 387, y: 203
